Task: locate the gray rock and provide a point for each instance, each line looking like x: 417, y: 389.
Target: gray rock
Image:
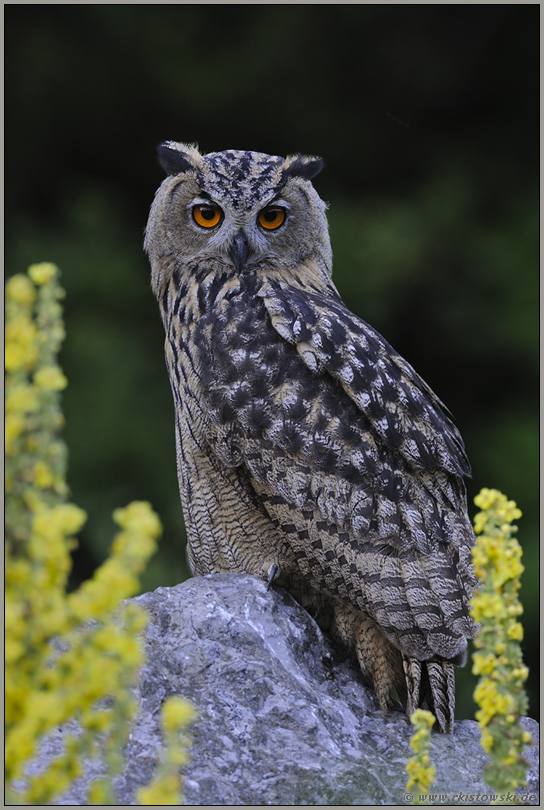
x: 283, y: 719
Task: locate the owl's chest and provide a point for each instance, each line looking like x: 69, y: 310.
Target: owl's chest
x: 184, y: 364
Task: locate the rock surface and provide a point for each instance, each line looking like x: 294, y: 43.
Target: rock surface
x: 283, y: 720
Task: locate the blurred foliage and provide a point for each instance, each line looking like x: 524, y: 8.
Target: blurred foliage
x: 427, y: 118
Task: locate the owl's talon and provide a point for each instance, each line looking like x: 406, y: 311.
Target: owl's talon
x: 273, y: 573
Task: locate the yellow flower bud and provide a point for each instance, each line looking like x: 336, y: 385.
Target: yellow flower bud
x: 515, y: 631
x: 21, y: 290
x: 21, y: 344
x: 50, y: 378
x: 42, y: 273
x: 479, y: 522
x: 138, y: 516
x: 23, y: 399
x: 177, y: 713
x: 43, y: 475
x: 14, y: 427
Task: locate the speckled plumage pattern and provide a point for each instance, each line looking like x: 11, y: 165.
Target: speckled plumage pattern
x: 304, y: 441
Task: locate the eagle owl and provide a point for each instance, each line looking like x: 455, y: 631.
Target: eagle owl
x: 309, y: 452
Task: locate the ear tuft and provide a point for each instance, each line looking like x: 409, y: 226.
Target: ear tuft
x: 302, y: 166
x: 177, y: 157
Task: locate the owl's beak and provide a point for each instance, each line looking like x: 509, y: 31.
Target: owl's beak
x: 239, y: 251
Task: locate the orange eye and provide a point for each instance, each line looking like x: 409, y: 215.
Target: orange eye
x: 206, y: 215
x: 271, y: 218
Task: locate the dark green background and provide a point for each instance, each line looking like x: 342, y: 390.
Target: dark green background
x: 427, y: 118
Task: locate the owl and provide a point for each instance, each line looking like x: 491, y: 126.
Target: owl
x: 309, y: 452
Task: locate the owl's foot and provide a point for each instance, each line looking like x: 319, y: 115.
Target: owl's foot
x: 273, y: 573
x: 379, y: 661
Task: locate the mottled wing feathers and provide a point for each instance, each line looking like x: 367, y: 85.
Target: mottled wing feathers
x: 360, y: 516
x: 403, y: 411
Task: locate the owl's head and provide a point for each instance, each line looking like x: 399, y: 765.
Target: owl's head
x: 244, y: 211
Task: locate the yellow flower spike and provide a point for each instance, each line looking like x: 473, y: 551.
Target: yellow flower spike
x: 94, y: 659
x: 499, y: 693
x: 420, y: 772
x: 165, y: 789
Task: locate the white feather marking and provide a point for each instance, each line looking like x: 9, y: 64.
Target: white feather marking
x: 282, y: 328
x: 306, y: 351
x: 346, y: 374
